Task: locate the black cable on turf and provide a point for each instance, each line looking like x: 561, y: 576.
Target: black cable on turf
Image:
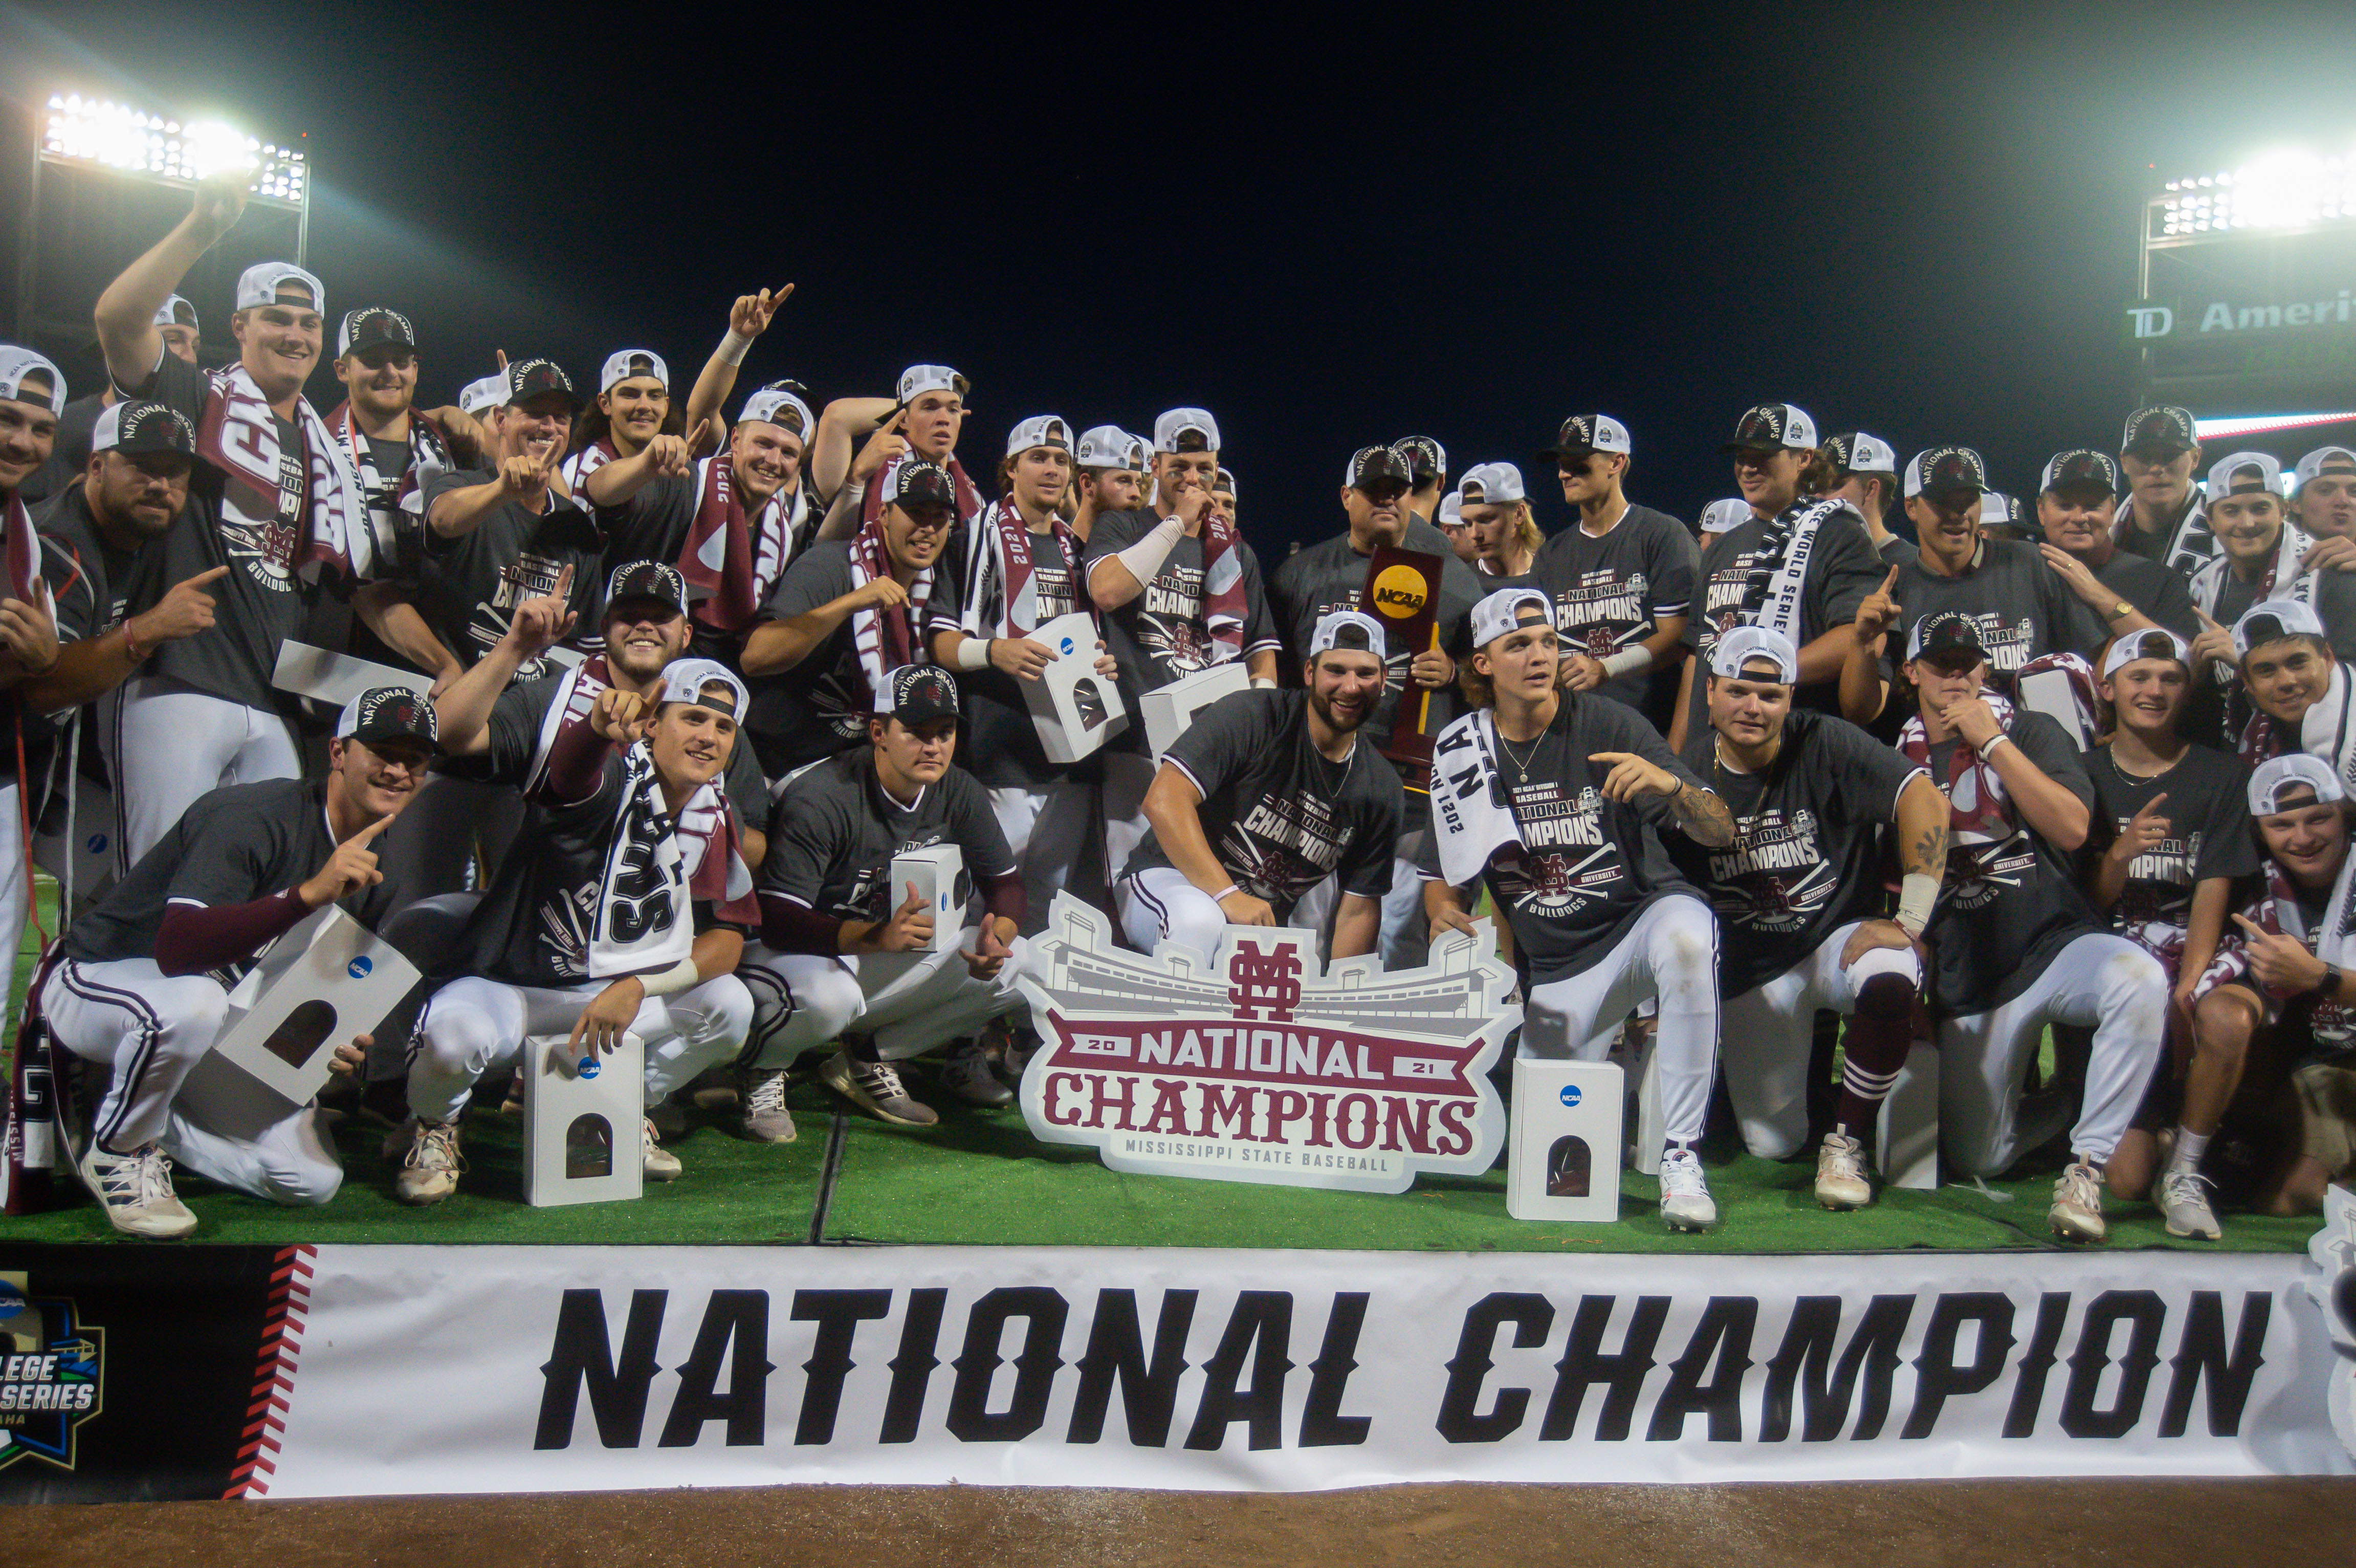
x: 831, y: 1168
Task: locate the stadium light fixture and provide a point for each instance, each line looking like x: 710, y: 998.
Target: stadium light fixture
x: 2210, y: 430
x: 161, y: 148
x: 2290, y: 188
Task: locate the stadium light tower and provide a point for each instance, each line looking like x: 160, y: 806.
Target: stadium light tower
x: 78, y: 138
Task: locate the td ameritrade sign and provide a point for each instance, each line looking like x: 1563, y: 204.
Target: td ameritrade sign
x: 1250, y: 1065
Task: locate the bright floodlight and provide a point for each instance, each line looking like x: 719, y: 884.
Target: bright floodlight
x: 154, y: 146
x: 2287, y: 189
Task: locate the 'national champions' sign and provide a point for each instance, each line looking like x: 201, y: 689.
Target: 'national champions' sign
x: 1250, y: 1064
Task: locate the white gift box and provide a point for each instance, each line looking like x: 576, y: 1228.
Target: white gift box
x: 1168, y: 710
x: 2049, y: 692
x: 1563, y: 1159
x: 337, y: 678
x: 583, y: 1132
x: 939, y: 873
x: 324, y: 981
x: 1074, y: 709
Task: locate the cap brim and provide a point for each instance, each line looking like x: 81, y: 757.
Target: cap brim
x: 1556, y: 454
x: 2156, y: 446
x: 1732, y: 448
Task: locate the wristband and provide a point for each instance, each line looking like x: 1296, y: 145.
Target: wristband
x: 1989, y: 750
x: 131, y: 644
x: 1144, y: 558
x: 677, y: 977
x: 1628, y: 661
x: 1918, y: 891
x: 1223, y: 892
x: 1261, y: 683
x: 973, y: 654
x: 733, y: 348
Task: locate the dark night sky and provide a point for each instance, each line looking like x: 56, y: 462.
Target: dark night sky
x: 1466, y: 221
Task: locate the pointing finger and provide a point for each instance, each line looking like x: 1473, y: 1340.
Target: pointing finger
x: 2252, y: 926
x: 563, y: 588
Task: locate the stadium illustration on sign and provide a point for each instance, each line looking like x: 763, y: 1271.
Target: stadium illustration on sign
x: 1250, y: 1065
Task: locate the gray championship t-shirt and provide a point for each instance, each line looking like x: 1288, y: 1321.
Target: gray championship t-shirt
x: 1278, y: 814
x: 472, y: 583
x: 1805, y: 860
x: 1842, y: 570
x: 1610, y: 593
x: 1159, y: 636
x: 835, y: 831
x: 1586, y: 867
x: 821, y: 705
x: 2207, y: 814
x: 2022, y: 608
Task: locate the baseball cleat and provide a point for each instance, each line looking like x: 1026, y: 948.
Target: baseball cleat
x: 659, y: 1163
x: 430, y: 1166
x: 1841, y: 1181
x: 874, y: 1087
x: 1686, y: 1203
x: 2184, y: 1198
x: 136, y: 1191
x: 2077, y: 1212
x: 966, y: 1075
x: 765, y: 1119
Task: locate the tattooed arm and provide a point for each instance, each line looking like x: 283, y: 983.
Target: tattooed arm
x: 1702, y: 816
x: 1696, y: 812
x: 1922, y: 822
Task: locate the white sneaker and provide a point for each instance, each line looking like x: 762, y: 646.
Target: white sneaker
x: 1841, y: 1180
x: 658, y: 1162
x: 765, y: 1119
x: 1685, y: 1202
x: 430, y: 1166
x: 966, y: 1074
x: 2184, y: 1198
x: 2077, y: 1212
x: 135, y: 1190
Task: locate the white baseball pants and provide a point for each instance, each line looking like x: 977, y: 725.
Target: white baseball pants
x: 1769, y: 1030
x: 1670, y: 953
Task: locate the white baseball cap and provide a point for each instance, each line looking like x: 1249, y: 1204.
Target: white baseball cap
x: 1502, y: 612
x: 17, y: 363
x: 1109, y: 446
x: 2271, y: 619
x: 2271, y: 777
x: 1583, y: 434
x: 1451, y: 510
x: 764, y: 406
x: 624, y: 363
x: 1347, y: 629
x: 1173, y: 424
x: 487, y: 393
x: 1772, y: 427
x: 1223, y: 483
x: 2337, y: 459
x: 684, y: 680
x: 176, y: 311
x: 918, y: 379
x: 1945, y: 468
x: 1039, y: 430
x: 2223, y: 476
x: 2136, y: 645
x: 1858, y: 453
x: 1489, y: 484
x: 258, y: 286
x: 1724, y: 516
x: 1738, y: 645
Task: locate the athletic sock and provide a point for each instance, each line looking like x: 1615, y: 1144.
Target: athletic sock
x: 2190, y: 1146
x: 1881, y: 1032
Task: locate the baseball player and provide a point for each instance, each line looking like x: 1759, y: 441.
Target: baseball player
x: 852, y: 955
x: 1557, y: 801
x: 132, y: 991
x: 2303, y: 696
x: 2324, y: 497
x: 845, y: 615
x: 623, y: 909
x: 2292, y: 961
x: 1022, y: 570
x: 32, y: 392
x: 2170, y: 840
x: 1862, y: 470
x: 1223, y: 491
x: 1499, y: 526
x: 923, y: 421
x: 1798, y: 568
x: 728, y: 520
x: 1111, y: 466
x: 2163, y: 518
x: 1720, y: 517
x: 1323, y: 578
x: 1180, y: 591
x: 1426, y: 463
x: 175, y: 322
x: 1264, y: 797
x: 2077, y: 496
x: 1798, y: 897
x: 632, y: 408
x: 1622, y: 579
x: 277, y: 501
x: 1450, y: 522
x: 2016, y: 945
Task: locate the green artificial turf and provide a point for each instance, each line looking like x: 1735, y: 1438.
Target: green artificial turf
x: 979, y: 1178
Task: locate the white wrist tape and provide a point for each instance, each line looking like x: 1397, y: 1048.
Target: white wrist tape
x: 1628, y: 661
x: 1918, y: 891
x: 1261, y: 683
x: 679, y: 976
x: 732, y: 348
x: 1223, y: 892
x: 1144, y: 558
x: 973, y: 652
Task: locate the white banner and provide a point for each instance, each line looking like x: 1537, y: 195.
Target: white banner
x: 527, y: 1368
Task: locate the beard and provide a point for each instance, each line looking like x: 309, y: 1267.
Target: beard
x: 1340, y: 723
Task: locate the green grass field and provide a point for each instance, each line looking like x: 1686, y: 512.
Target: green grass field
x: 979, y: 1178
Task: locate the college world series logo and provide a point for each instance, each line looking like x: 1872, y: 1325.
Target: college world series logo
x: 50, y: 1373
x: 1250, y: 1064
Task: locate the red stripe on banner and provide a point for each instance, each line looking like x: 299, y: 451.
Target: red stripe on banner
x: 274, y: 1373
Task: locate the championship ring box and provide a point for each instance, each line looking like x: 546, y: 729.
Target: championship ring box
x: 583, y: 1122
x: 1562, y: 1160
x: 1074, y: 709
x: 1169, y: 709
x: 938, y: 873
x: 337, y: 679
x: 325, y: 980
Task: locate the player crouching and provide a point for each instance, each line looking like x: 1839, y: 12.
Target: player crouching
x: 622, y: 908
x: 849, y: 955
x: 1796, y: 895
x: 132, y: 989
x: 1557, y: 799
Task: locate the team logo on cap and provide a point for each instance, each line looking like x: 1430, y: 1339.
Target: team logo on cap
x: 153, y: 427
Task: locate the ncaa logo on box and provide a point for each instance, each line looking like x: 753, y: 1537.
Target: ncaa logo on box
x: 1065, y: 646
x: 359, y: 968
x: 1569, y: 1095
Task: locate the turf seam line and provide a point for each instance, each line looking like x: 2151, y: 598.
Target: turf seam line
x: 837, y: 1134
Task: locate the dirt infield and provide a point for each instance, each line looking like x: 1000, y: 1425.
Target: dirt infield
x: 2003, y: 1525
